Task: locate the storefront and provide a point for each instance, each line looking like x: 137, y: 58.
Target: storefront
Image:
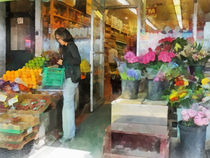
x: 97, y: 26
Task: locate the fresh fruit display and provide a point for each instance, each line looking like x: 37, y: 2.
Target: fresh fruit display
x: 30, y: 77
x: 35, y: 63
x: 51, y: 57
x: 32, y: 104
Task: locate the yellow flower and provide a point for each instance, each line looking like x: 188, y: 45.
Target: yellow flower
x: 205, y: 81
x: 186, y: 83
x: 195, y: 97
x: 183, y: 94
x: 173, y: 95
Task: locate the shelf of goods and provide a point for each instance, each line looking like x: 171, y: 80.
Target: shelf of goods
x: 60, y: 14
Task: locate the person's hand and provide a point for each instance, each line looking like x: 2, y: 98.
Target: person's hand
x: 60, y: 62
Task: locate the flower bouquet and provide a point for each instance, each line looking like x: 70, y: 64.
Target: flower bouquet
x: 195, y: 116
x: 194, y: 54
x: 184, y: 91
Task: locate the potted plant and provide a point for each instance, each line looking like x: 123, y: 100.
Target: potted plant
x: 157, y: 66
x: 193, y: 130
x: 131, y: 73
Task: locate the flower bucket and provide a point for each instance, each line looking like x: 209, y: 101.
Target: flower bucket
x: 192, y: 141
x: 196, y: 69
x: 155, y: 89
x: 130, y: 89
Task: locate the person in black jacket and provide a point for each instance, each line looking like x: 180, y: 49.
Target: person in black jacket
x: 71, y: 62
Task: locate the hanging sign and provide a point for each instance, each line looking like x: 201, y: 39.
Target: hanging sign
x: 88, y: 6
x: 20, y: 20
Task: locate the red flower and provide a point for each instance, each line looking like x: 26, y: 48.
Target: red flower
x: 180, y: 83
x: 165, y: 57
x: 174, y: 99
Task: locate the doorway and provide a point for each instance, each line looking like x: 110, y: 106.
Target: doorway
x: 120, y: 37
x: 20, y: 33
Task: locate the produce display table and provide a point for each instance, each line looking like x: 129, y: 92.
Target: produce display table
x: 138, y: 129
x: 28, y: 119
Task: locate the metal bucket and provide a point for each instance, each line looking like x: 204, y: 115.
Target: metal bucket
x: 130, y: 89
x: 192, y: 141
x: 155, y: 90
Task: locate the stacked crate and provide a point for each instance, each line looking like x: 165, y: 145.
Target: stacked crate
x: 138, y: 129
x: 17, y: 130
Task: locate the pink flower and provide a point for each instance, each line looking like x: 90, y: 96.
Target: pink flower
x: 205, y: 121
x: 160, y: 77
x: 150, y: 56
x: 185, y: 117
x: 131, y: 57
x: 207, y: 113
x: 184, y: 112
x: 200, y: 114
x: 171, y: 54
x: 165, y: 57
x: 192, y: 113
x: 141, y: 59
x: 133, y: 60
x: 198, y: 121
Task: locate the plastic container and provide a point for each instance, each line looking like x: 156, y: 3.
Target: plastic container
x: 53, y: 77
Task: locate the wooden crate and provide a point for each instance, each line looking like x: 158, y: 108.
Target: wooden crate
x: 20, y: 145
x: 136, y: 141
x: 26, y: 121
x: 21, y: 97
x: 17, y: 138
x: 140, y: 111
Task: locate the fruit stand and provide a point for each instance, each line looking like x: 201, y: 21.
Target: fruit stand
x: 24, y: 97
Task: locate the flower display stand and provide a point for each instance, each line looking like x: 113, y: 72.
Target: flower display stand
x: 138, y: 129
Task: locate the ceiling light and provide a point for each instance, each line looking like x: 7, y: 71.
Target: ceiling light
x: 178, y: 12
x: 176, y: 2
x: 123, y: 2
x: 133, y: 10
x: 150, y: 24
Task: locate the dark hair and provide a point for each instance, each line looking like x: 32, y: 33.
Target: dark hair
x: 64, y: 33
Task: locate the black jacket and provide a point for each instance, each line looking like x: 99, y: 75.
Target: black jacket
x: 71, y: 61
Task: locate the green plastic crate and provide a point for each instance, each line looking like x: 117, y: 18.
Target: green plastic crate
x: 53, y: 77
